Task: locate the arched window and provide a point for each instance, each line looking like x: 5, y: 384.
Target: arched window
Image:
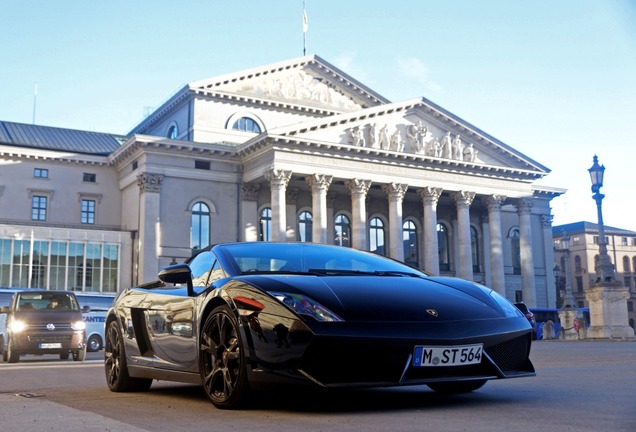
x: 265, y: 225
x: 305, y: 226
x: 200, y: 226
x: 246, y: 124
x: 474, y: 247
x: 376, y: 236
x: 626, y: 265
x: 515, y: 249
x: 443, y: 246
x: 409, y: 242
x: 173, y: 131
x: 342, y: 228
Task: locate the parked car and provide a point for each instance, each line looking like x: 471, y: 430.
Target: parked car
x: 42, y: 322
x: 240, y: 314
x: 530, y: 316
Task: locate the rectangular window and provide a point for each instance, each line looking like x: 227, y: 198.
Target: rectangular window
x: 75, y: 279
x: 134, y: 165
x: 111, y: 265
x: 39, y: 264
x: 576, y: 240
x: 624, y: 241
x: 88, y: 211
x: 38, y: 208
x: 41, y: 173
x: 5, y: 262
x: 203, y: 165
x: 89, y: 177
x: 57, y: 278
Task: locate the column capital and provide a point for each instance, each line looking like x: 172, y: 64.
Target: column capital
x: 494, y: 202
x: 249, y: 191
x: 150, y: 182
x: 463, y: 199
x: 278, y: 177
x: 546, y: 220
x: 395, y: 191
x: 357, y: 186
x: 524, y: 205
x: 430, y: 195
x: 319, y: 182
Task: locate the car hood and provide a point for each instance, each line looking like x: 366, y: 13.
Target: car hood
x: 389, y: 298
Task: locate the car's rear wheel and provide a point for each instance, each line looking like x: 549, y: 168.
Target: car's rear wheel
x: 117, y: 377
x: 222, y: 360
x: 457, y: 387
x: 94, y: 343
x: 79, y: 355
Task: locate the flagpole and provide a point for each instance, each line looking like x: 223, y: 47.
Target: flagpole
x: 304, y: 29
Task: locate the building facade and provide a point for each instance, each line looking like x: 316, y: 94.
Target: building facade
x: 294, y: 151
x: 576, y: 259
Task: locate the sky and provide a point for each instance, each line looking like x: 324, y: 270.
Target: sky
x: 554, y: 79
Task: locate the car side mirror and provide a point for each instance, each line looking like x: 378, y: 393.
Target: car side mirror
x: 178, y: 274
x: 86, y: 309
x: 5, y: 309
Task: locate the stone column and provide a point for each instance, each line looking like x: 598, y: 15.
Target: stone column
x: 291, y: 215
x: 358, y: 189
x: 608, y: 311
x: 249, y: 212
x: 497, y: 272
x: 149, y: 225
x: 524, y: 209
x: 319, y: 186
x: 430, y: 198
x: 463, y: 200
x: 278, y: 180
x: 548, y: 250
x: 395, y: 193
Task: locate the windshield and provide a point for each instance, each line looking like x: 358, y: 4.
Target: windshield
x: 312, y: 258
x: 46, y: 302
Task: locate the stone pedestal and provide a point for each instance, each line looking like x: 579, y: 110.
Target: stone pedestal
x: 608, y: 311
x: 569, y: 330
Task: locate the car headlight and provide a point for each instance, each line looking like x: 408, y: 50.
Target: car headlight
x: 18, y: 326
x: 305, y: 306
x: 78, y: 325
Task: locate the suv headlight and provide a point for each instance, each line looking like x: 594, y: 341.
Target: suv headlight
x: 78, y: 325
x: 18, y: 326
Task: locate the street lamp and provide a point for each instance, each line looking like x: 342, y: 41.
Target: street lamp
x: 603, y: 267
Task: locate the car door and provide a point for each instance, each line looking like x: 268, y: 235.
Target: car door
x: 172, y: 319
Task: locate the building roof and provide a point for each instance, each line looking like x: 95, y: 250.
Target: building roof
x: 587, y: 227
x: 58, y: 139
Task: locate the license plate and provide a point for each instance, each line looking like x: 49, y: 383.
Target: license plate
x: 458, y: 355
x: 50, y: 345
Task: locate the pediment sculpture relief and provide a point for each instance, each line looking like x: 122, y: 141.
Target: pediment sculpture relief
x: 417, y: 139
x: 300, y: 85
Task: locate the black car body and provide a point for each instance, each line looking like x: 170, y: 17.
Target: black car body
x: 249, y: 313
x: 35, y: 324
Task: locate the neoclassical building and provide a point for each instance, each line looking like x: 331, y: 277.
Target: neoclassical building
x: 293, y: 151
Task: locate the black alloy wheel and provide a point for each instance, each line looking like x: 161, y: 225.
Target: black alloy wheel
x: 117, y: 377
x: 222, y: 360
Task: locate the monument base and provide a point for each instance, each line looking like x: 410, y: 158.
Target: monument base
x: 608, y: 311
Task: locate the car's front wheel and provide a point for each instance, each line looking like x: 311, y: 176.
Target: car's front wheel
x: 11, y: 355
x: 222, y: 360
x: 456, y: 387
x: 117, y: 377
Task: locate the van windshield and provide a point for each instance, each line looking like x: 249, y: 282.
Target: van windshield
x: 46, y: 302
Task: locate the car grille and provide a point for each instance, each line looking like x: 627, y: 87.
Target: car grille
x: 50, y: 338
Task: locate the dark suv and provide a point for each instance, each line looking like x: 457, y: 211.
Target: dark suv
x: 42, y: 322
x: 530, y: 316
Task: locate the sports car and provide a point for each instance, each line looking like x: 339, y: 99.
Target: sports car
x: 239, y: 315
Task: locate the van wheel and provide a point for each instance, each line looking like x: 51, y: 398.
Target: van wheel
x: 94, y: 343
x: 12, y: 356
x: 79, y: 355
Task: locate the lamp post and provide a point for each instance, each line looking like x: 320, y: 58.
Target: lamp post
x: 603, y: 267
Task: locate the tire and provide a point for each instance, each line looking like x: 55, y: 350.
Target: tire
x: 64, y: 356
x: 115, y: 367
x: 79, y: 355
x: 457, y: 387
x: 4, y: 353
x: 94, y: 343
x: 12, y: 355
x: 222, y: 360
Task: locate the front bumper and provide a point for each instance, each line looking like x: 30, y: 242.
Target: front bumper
x: 47, y: 342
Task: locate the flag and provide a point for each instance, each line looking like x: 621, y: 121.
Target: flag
x: 304, y: 21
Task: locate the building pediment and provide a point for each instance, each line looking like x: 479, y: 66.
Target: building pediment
x: 307, y: 81
x: 415, y: 129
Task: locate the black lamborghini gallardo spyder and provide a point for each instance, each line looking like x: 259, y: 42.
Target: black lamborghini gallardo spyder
x: 241, y: 314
